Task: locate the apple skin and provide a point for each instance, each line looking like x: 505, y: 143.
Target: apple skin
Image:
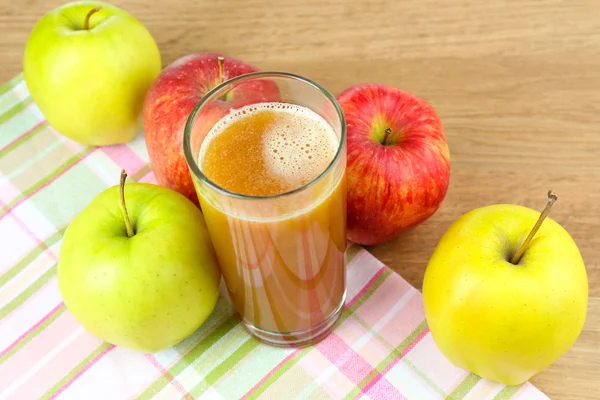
x: 502, y: 321
x: 394, y: 187
x: 170, y: 100
x: 90, y: 84
x: 146, y: 292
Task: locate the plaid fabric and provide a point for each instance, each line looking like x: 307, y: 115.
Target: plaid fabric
x: 382, y: 349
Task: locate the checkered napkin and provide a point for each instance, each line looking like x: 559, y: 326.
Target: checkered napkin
x: 382, y: 349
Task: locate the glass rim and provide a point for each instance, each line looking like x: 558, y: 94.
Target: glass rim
x: 187, y: 133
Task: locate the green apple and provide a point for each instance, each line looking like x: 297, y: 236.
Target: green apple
x: 139, y: 272
x: 502, y: 315
x: 88, y: 66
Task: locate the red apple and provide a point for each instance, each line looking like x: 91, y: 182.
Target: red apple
x: 170, y: 100
x: 398, y: 161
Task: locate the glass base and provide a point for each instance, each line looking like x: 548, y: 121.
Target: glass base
x: 302, y: 338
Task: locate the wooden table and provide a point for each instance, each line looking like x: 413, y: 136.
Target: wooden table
x: 516, y: 83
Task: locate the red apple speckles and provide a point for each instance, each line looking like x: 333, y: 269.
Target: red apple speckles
x: 398, y: 165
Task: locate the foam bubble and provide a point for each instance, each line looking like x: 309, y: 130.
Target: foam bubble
x: 303, y: 130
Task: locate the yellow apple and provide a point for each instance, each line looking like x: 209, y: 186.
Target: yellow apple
x: 88, y: 66
x: 500, y: 320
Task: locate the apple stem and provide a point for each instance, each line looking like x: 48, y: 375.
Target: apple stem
x: 86, y: 23
x: 221, y: 61
x: 388, y: 132
x: 128, y: 225
x: 551, y: 199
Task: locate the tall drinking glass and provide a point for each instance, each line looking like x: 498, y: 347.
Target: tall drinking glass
x: 282, y: 256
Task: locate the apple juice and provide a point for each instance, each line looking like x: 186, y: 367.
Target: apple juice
x: 280, y: 239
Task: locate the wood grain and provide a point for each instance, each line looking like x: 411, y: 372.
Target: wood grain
x: 516, y: 83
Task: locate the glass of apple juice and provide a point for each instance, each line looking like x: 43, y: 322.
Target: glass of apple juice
x: 267, y: 155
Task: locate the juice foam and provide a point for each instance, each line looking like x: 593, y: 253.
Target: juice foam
x: 267, y: 149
